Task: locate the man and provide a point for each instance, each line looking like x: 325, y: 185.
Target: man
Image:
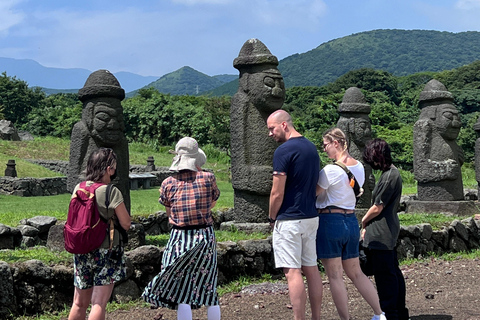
x: 292, y: 213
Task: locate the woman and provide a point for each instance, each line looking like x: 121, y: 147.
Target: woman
x: 338, y: 233
x: 96, y: 272
x: 188, y: 278
x: 382, y: 226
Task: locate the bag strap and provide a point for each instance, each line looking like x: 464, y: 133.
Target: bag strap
x: 107, y: 203
x: 350, y: 175
x: 344, y: 167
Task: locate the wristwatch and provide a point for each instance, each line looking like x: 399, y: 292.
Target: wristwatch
x: 271, y: 220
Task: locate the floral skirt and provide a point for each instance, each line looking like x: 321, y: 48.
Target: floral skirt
x: 99, y: 268
x: 189, y: 271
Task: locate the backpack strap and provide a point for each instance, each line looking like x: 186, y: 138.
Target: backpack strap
x: 107, y: 203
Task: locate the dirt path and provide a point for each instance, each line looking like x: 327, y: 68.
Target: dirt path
x: 437, y: 290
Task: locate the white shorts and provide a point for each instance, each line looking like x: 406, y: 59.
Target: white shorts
x: 294, y: 243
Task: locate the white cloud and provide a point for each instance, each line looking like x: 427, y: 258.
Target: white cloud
x: 292, y: 14
x: 9, y: 17
x: 467, y: 4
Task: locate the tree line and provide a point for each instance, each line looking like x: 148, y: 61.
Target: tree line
x: 161, y: 119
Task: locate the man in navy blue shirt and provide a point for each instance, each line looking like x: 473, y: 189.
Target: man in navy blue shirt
x: 292, y: 212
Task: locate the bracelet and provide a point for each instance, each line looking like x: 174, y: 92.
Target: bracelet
x: 271, y: 220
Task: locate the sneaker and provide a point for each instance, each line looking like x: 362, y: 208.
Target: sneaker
x: 379, y: 316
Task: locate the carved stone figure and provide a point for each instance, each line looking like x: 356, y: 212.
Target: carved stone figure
x: 476, y: 127
x: 355, y: 122
x: 437, y: 158
x: 261, y: 91
x: 101, y: 126
x: 10, y: 171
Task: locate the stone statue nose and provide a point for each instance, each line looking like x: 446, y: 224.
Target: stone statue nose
x: 276, y: 91
x: 113, y: 124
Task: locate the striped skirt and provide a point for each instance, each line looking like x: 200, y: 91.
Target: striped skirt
x: 189, y: 271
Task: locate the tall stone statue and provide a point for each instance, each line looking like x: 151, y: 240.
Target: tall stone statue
x: 355, y: 122
x: 476, y: 127
x: 101, y: 126
x: 437, y: 158
x: 261, y: 91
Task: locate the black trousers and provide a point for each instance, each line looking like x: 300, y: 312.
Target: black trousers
x: 390, y: 283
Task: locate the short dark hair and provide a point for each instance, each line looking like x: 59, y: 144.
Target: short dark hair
x: 377, y: 154
x: 97, y: 163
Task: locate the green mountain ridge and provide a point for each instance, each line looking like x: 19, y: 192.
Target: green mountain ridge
x: 185, y: 80
x: 399, y: 52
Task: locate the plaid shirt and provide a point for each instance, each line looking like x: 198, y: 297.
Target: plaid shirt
x: 189, y: 194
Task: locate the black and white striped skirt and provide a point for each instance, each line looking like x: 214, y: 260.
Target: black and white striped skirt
x: 189, y: 271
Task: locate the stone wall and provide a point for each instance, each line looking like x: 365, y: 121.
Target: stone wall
x: 33, y: 187
x: 54, y: 165
x: 33, y: 287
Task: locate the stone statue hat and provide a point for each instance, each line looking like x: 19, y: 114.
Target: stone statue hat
x: 433, y: 91
x: 354, y: 101
x: 254, y: 52
x: 101, y: 83
x: 188, y: 156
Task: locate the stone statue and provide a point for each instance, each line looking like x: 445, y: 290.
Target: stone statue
x: 355, y: 122
x: 10, y: 171
x: 101, y: 126
x: 261, y: 91
x: 437, y: 158
x: 476, y: 127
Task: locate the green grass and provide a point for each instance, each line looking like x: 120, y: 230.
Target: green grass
x: 436, y: 220
x: 143, y: 203
x: 221, y: 236
x: 451, y: 256
x: 40, y: 253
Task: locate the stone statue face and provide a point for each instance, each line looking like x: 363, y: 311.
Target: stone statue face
x: 357, y: 129
x: 108, y: 125
x: 266, y: 90
x: 447, y: 121
x: 362, y: 131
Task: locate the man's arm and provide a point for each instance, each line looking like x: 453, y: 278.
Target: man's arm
x: 276, y: 195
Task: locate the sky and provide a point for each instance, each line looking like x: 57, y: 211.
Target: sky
x: 156, y: 37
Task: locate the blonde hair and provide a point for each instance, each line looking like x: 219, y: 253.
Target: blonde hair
x: 336, y: 134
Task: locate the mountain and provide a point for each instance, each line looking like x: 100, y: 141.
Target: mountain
x: 189, y: 81
x: 63, y: 80
x: 400, y: 52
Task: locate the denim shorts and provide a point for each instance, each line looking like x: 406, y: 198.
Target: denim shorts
x: 294, y: 243
x: 338, y: 235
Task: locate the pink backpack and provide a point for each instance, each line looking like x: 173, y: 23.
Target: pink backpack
x: 85, y: 229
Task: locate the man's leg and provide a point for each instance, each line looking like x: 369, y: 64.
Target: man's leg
x: 315, y: 290
x: 296, y: 289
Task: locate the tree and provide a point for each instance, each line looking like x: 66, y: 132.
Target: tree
x: 55, y: 115
x: 18, y: 99
x: 368, y: 80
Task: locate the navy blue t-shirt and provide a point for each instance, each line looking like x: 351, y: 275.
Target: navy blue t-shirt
x: 298, y: 159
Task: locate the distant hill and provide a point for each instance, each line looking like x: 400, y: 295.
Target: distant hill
x: 400, y: 52
x: 187, y: 80
x: 63, y: 80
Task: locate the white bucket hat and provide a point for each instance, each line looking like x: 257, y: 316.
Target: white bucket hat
x: 188, y: 156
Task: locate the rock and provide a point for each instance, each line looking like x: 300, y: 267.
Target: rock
x: 8, y: 131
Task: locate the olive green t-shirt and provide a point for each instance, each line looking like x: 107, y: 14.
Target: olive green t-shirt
x: 116, y: 199
x: 382, y: 231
